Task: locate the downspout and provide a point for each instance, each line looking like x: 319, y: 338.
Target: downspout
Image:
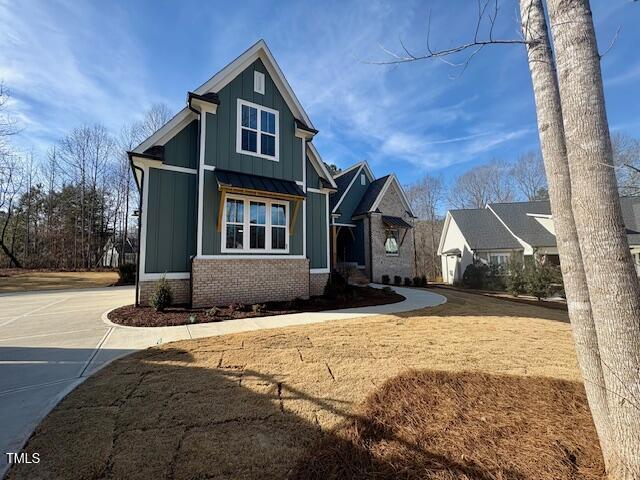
x: 140, y: 190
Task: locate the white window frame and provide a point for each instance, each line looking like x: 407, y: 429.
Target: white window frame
x: 258, y: 82
x: 506, y: 255
x: 246, y: 225
x: 397, y: 237
x: 239, y: 128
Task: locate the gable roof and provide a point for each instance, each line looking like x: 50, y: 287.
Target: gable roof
x: 371, y: 195
x: 342, y: 183
x: 258, y: 50
x: 482, y: 230
x: 526, y: 227
x: 345, y: 179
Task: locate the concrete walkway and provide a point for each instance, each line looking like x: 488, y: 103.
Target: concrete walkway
x: 50, y: 342
x: 140, y: 337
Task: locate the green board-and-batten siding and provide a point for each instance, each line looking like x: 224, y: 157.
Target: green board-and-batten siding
x: 352, y: 199
x: 313, y: 179
x: 182, y: 149
x: 171, y: 221
x: 317, y: 230
x: 220, y: 146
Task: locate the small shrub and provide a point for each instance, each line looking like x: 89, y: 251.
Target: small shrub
x: 387, y: 290
x: 213, y: 312
x: 238, y: 307
x: 161, y: 297
x: 474, y: 275
x: 397, y: 280
x: 127, y: 274
x: 515, y: 282
x: 423, y: 281
x: 417, y: 282
x: 540, y: 280
x: 259, y: 308
x: 385, y: 279
x: 495, y: 278
x: 407, y: 282
x: 336, y: 285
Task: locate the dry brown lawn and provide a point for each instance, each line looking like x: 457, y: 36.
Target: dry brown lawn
x: 265, y: 404
x: 18, y: 281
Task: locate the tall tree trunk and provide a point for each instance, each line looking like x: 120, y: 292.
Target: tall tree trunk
x: 8, y: 252
x: 613, y: 285
x: 554, y: 154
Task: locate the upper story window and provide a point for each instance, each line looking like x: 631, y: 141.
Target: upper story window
x: 363, y: 179
x: 258, y: 131
x: 255, y: 225
x: 258, y: 82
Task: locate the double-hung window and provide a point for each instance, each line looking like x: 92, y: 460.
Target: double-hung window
x: 255, y: 225
x: 258, y: 131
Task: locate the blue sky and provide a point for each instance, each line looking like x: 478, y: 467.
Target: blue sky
x: 74, y: 63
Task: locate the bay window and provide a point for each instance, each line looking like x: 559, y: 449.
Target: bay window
x: 264, y: 229
x: 258, y: 132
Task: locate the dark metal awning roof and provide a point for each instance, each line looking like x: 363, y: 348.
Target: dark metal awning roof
x: 236, y: 182
x: 397, y: 222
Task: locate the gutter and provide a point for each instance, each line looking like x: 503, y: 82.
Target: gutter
x: 140, y: 189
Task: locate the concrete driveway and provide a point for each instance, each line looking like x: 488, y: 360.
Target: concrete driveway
x: 49, y: 342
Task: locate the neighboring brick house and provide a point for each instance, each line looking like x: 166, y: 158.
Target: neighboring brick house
x: 372, y: 224
x: 234, y: 196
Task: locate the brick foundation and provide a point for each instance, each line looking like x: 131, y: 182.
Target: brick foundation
x: 221, y: 282
x: 179, y: 291
x: 317, y: 282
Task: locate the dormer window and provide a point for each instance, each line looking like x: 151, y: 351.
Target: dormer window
x: 258, y: 131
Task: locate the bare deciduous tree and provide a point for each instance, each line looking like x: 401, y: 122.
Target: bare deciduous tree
x: 626, y: 158
x: 528, y: 176
x: 425, y: 196
x: 484, y: 184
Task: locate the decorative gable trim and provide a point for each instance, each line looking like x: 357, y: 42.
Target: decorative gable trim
x: 392, y: 179
x: 259, y: 50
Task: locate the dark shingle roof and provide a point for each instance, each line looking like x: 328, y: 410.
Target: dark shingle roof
x: 483, y: 230
x: 514, y: 215
x: 369, y: 197
x: 342, y: 182
x: 227, y: 178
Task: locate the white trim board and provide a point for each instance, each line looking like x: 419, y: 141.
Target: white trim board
x: 346, y: 190
x: 315, y: 157
x: 392, y: 178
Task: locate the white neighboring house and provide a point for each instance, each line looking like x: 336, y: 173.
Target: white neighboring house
x: 112, y: 255
x: 520, y: 230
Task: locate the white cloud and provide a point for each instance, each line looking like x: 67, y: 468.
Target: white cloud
x: 66, y: 64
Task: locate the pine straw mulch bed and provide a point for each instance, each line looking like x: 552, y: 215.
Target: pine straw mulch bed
x: 269, y: 404
x: 133, y: 316
x: 442, y: 425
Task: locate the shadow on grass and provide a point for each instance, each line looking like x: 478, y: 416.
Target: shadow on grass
x: 155, y: 414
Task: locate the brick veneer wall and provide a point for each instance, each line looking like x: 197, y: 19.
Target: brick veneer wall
x: 179, y: 291
x: 404, y: 263
x: 317, y: 282
x: 222, y: 282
